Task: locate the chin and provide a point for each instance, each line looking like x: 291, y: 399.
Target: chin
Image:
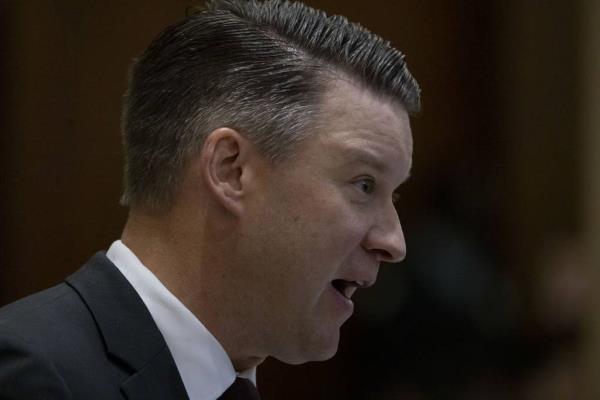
x: 320, y: 348
x: 304, y: 359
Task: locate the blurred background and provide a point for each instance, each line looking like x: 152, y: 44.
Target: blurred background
x: 497, y: 297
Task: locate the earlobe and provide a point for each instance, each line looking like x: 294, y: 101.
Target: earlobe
x: 224, y: 159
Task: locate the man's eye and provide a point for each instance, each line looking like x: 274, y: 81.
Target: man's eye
x: 366, y: 185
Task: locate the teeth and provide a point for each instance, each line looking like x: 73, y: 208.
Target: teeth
x: 349, y: 291
x: 347, y: 288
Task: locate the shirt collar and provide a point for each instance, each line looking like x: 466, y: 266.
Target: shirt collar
x: 204, y: 366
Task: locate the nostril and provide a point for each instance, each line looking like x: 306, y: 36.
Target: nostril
x: 383, y: 255
x: 386, y: 244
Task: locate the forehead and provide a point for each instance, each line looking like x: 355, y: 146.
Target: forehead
x: 356, y: 124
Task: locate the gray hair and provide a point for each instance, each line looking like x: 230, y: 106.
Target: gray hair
x: 260, y: 67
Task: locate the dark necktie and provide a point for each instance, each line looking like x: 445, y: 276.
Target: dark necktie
x: 241, y: 389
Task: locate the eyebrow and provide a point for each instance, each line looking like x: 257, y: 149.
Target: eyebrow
x: 364, y: 156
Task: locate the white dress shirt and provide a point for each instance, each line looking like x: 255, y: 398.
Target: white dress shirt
x: 204, y: 366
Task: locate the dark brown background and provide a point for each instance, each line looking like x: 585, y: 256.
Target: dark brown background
x: 499, y: 161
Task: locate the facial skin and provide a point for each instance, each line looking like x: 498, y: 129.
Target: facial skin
x: 327, y: 214
x: 253, y: 248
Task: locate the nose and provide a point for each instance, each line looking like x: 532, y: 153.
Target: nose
x: 385, y: 239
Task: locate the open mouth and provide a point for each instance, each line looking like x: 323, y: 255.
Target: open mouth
x: 345, y: 288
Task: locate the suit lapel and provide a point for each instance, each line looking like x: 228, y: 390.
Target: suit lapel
x: 128, y: 330
x: 157, y: 380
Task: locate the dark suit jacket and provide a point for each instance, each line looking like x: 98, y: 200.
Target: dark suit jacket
x: 90, y: 337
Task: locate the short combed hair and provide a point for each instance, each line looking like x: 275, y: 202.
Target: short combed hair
x: 260, y: 67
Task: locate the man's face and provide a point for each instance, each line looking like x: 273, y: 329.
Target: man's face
x: 324, y: 222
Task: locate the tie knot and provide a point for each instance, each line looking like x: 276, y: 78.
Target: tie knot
x: 241, y: 389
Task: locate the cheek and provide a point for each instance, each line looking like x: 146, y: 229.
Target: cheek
x: 334, y: 236
x: 324, y: 237
x: 308, y: 233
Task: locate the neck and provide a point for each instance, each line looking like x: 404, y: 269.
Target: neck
x: 177, y: 256
x: 159, y: 246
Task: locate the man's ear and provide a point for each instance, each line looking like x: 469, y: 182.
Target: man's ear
x: 226, y: 163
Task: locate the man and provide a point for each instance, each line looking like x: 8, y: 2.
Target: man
x: 264, y: 143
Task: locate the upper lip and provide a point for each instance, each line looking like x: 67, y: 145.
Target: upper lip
x: 361, y: 276
x: 362, y: 279
x: 347, y: 286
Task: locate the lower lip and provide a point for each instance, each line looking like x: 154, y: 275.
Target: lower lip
x: 345, y: 305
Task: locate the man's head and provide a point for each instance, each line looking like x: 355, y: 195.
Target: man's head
x: 272, y: 139
x: 259, y: 67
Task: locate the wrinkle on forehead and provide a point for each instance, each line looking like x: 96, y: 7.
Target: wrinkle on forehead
x: 386, y: 157
x: 354, y: 120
